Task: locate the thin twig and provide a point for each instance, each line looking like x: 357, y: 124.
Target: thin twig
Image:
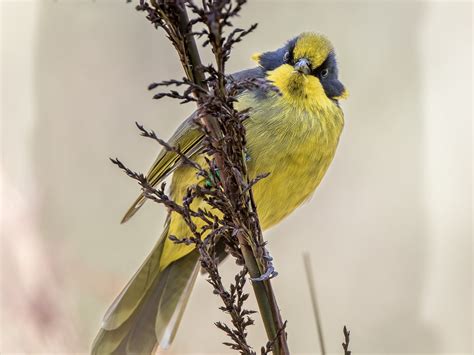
x: 345, y: 344
x: 314, y: 303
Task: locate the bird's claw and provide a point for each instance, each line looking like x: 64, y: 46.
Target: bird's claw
x: 269, y: 274
x: 267, y: 256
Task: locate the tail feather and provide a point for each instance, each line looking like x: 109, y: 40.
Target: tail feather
x: 163, y: 310
x: 126, y: 303
x: 148, y: 311
x: 171, y: 309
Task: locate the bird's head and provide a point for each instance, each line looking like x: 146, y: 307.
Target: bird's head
x: 304, y: 70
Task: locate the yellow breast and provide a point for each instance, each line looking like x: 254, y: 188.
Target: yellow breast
x: 292, y: 140
x: 295, y: 144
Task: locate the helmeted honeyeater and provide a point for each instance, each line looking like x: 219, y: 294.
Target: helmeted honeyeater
x: 291, y: 134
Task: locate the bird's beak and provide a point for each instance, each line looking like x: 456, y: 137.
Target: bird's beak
x: 303, y: 66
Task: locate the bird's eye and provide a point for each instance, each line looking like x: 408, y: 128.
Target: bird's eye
x: 286, y: 57
x: 324, y: 73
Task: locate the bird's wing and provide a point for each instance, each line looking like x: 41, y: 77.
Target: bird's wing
x: 243, y: 75
x: 188, y: 137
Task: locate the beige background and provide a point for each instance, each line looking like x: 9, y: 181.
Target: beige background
x: 389, y: 231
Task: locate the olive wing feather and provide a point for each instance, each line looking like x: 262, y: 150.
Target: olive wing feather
x: 188, y: 137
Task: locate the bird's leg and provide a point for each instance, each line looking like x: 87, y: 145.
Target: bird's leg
x: 270, y: 273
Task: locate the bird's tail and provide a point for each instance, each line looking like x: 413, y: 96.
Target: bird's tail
x: 148, y: 310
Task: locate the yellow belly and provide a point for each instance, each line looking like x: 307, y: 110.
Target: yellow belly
x: 295, y: 146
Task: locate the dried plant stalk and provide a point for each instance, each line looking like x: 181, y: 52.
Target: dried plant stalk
x: 224, y: 140
x: 345, y: 344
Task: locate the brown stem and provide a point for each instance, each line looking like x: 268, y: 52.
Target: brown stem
x: 267, y: 304
x: 195, y: 65
x: 264, y: 294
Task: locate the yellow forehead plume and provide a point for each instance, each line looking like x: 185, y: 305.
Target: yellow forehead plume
x: 314, y: 47
x: 256, y: 57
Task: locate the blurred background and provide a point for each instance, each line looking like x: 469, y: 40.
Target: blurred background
x: 389, y: 230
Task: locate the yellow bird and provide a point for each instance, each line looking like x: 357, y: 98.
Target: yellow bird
x: 292, y: 135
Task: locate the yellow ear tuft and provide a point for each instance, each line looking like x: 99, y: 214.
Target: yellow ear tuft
x: 256, y: 57
x: 343, y: 96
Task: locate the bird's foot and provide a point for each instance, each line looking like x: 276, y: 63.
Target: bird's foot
x: 270, y: 273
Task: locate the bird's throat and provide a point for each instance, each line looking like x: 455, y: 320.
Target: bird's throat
x: 303, y: 92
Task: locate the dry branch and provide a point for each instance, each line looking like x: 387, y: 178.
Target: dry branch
x: 229, y: 189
